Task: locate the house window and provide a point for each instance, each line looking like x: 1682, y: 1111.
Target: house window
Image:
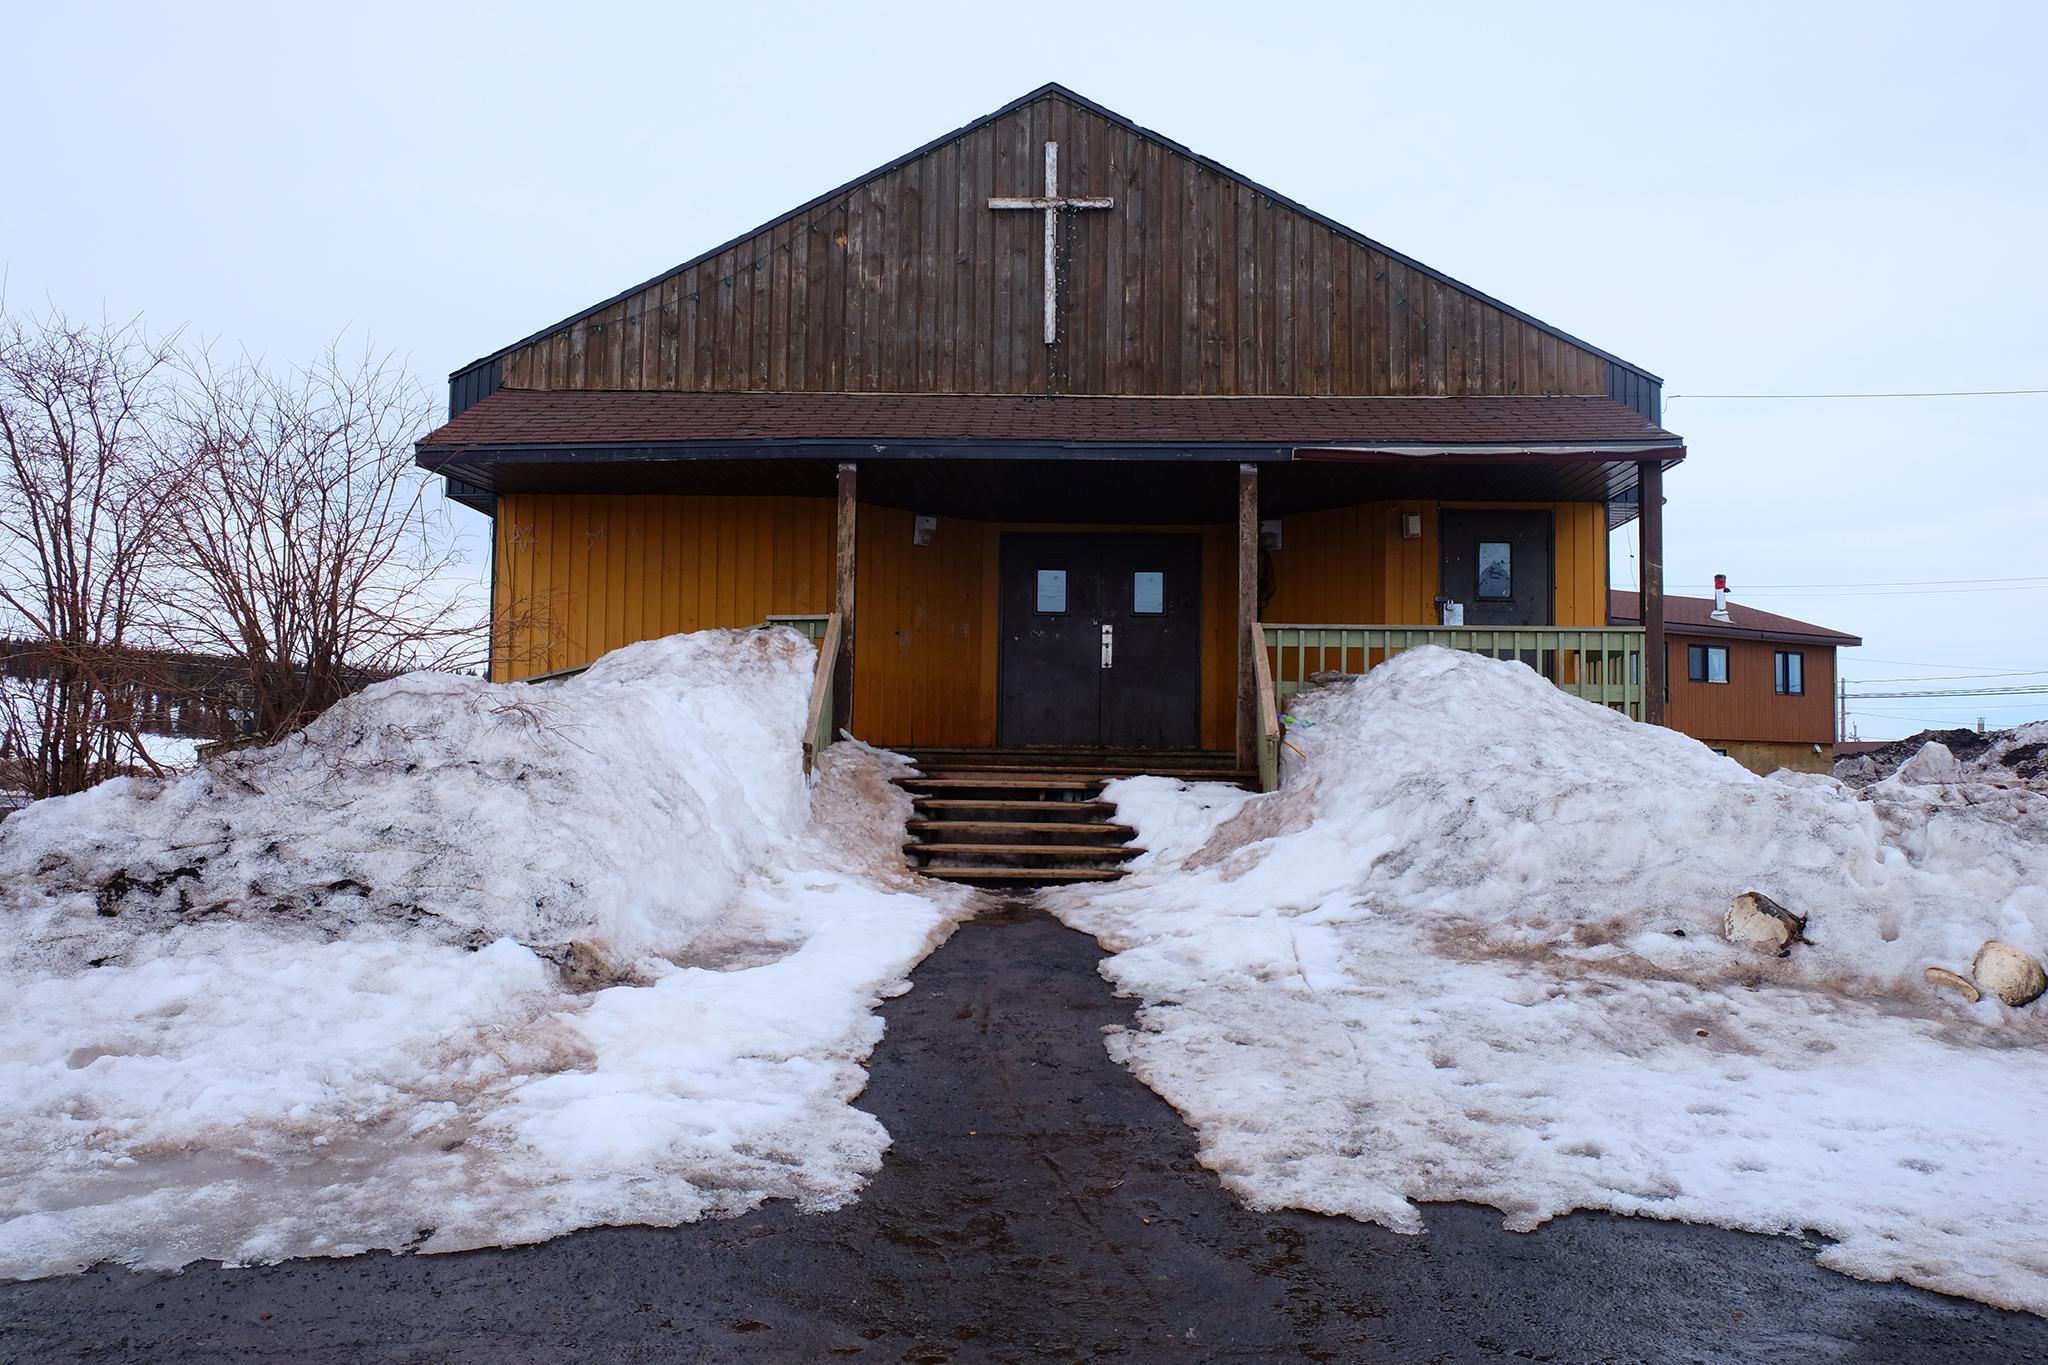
x: 1707, y: 663
x: 1052, y: 591
x: 1148, y: 594
x: 1496, y: 571
x: 1791, y: 673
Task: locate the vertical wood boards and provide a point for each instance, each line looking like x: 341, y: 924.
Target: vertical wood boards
x: 580, y: 574
x: 1194, y: 283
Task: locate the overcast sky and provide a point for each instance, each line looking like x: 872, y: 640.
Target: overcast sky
x: 1790, y: 198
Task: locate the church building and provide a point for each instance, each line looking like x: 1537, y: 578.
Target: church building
x: 1060, y: 437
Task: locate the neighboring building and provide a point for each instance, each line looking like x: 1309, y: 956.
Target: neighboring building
x: 1759, y: 688
x: 1043, y: 419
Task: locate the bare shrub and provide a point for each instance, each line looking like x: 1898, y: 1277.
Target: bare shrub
x: 82, y: 532
x: 303, y: 538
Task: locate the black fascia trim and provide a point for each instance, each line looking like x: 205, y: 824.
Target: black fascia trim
x: 834, y: 449
x: 1054, y: 88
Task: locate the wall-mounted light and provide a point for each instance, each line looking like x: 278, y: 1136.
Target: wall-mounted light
x: 1411, y: 526
x: 1269, y: 534
x: 924, y: 530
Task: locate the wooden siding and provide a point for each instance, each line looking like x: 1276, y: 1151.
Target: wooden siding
x: 1747, y: 706
x: 1196, y: 282
x: 581, y: 574
x: 1350, y: 566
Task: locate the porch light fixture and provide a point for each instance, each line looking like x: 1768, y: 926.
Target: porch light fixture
x: 1411, y: 526
x: 924, y: 530
x: 1269, y: 534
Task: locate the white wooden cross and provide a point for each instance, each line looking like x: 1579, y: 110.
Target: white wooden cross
x: 1050, y: 204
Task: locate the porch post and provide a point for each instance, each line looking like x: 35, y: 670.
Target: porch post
x: 1650, y: 489
x: 842, y: 599
x: 1247, y: 615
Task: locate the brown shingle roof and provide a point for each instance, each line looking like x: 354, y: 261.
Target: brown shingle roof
x: 518, y: 417
x: 1694, y: 616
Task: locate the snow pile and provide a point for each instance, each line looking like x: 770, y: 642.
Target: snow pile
x: 2001, y: 758
x: 462, y: 965
x: 1473, y: 951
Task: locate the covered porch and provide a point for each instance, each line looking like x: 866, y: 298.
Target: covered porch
x: 1146, y: 576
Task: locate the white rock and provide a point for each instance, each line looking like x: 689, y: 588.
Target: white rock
x: 2012, y: 974
x: 1754, y: 917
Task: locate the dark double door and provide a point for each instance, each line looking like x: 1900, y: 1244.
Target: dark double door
x: 1101, y: 641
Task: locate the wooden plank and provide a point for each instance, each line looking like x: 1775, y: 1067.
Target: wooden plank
x: 952, y: 803
x: 1017, y: 826
x: 843, y: 594
x: 957, y: 784
x: 1022, y: 874
x: 1078, y: 852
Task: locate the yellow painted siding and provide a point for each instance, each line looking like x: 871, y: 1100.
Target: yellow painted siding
x: 580, y: 574
x: 1350, y: 565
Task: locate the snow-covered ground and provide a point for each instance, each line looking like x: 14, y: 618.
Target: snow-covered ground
x: 1473, y: 951
x: 462, y: 965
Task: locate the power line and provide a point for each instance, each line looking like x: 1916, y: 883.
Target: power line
x: 1938, y: 393
x: 1916, y: 663
x: 1903, y: 592
x: 2029, y: 690
x: 1900, y: 583
x: 1950, y: 677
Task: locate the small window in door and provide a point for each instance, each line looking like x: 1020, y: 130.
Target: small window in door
x: 1496, y: 571
x: 1706, y: 663
x: 1791, y: 673
x: 1148, y: 593
x: 1052, y: 591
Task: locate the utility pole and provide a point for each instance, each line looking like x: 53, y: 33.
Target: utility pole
x: 1841, y: 710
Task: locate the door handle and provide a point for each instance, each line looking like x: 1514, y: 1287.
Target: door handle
x: 1108, y: 645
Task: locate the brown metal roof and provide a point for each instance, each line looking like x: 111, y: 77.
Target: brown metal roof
x: 529, y: 418
x: 1694, y: 616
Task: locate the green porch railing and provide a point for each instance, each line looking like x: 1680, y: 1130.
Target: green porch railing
x: 812, y: 628
x: 1602, y: 665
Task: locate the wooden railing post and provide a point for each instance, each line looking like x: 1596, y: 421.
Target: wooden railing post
x: 843, y: 586
x: 1247, y: 616
x: 1650, y: 488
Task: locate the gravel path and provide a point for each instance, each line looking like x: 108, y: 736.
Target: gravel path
x: 1038, y: 1204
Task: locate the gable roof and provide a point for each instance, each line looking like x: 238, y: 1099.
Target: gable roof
x: 1694, y: 616
x: 1619, y: 378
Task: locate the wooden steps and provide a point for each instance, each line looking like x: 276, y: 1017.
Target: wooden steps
x: 1024, y: 817
x: 1010, y: 825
